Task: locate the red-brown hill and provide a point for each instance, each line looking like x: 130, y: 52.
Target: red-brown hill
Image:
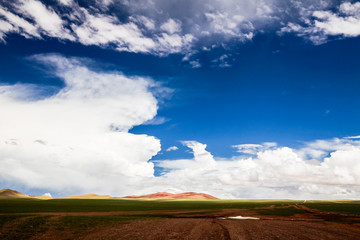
x: 165, y: 195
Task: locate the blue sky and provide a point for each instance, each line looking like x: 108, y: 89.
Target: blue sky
x: 239, y: 87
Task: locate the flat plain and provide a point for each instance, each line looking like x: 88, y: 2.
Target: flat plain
x: 177, y: 219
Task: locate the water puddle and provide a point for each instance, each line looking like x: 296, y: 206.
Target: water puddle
x: 241, y: 218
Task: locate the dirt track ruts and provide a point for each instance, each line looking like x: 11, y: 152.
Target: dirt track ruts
x: 314, y: 224
x: 217, y: 229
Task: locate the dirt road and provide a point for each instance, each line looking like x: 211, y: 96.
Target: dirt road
x: 217, y: 229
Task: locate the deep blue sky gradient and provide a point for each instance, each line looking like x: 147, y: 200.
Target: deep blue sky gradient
x: 278, y: 89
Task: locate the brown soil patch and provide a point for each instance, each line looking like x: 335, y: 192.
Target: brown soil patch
x: 193, y: 228
x: 314, y: 224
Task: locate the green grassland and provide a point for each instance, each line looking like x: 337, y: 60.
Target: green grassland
x: 279, y: 207
x: 103, y: 205
x: 18, y: 219
x: 338, y: 206
x: 19, y: 226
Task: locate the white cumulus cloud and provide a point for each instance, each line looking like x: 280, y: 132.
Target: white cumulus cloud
x: 66, y: 2
x: 254, y: 148
x: 45, y: 18
x: 171, y: 26
x: 161, y: 27
x: 321, y: 24
x: 271, y: 171
x: 103, y: 30
x: 77, y: 140
x: 172, y: 148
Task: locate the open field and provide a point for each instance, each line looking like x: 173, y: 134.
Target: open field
x: 177, y: 219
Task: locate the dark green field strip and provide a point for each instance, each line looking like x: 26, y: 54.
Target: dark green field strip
x: 103, y: 205
x: 81, y: 223
x: 351, y: 207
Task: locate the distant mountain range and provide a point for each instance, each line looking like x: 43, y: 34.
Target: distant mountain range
x: 9, y: 193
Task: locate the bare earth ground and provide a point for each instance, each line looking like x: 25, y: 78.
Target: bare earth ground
x: 314, y: 224
x: 227, y: 229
